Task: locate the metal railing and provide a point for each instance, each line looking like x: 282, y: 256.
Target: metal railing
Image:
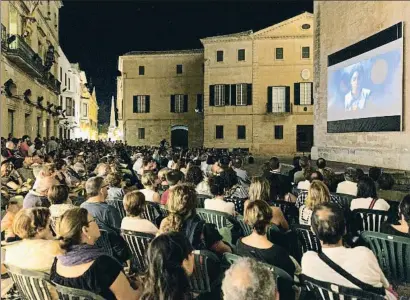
x: 276, y: 108
x: 20, y: 48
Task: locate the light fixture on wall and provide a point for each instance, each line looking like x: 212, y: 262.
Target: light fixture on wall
x: 27, y: 95
x: 10, y: 88
x: 11, y: 39
x: 39, y: 100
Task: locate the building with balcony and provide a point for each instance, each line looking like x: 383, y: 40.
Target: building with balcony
x: 160, y: 97
x: 70, y: 97
x: 29, y: 67
x: 88, y: 128
x: 258, y: 88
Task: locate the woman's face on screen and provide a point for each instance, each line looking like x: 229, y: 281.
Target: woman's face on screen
x: 355, y: 82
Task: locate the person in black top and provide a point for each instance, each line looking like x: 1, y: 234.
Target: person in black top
x: 100, y: 273
x: 182, y: 217
x: 403, y: 228
x: 258, y: 215
x: 170, y: 261
x: 280, y: 184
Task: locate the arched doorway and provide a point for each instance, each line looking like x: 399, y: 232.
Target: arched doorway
x: 179, y: 136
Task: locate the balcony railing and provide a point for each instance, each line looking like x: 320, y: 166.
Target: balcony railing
x: 22, y: 54
x: 276, y: 108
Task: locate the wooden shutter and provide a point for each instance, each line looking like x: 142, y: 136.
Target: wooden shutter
x: 233, y: 94
x: 311, y: 89
x: 287, y: 99
x: 172, y: 103
x: 296, y: 93
x: 227, y: 94
x: 269, y: 106
x: 147, y: 104
x: 185, y: 103
x: 135, y: 104
x: 211, y: 95
x: 249, y: 93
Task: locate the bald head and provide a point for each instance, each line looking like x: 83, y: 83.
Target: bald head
x: 328, y: 223
x: 10, y: 145
x: 249, y: 279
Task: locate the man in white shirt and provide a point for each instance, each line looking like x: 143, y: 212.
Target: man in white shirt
x: 349, y: 186
x: 329, y: 225
x: 138, y: 163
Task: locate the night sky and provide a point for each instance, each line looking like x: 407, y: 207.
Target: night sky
x: 95, y: 33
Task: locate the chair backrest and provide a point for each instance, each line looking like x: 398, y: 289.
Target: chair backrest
x: 104, y: 242
x: 220, y: 219
x: 246, y: 229
x: 295, y: 190
x: 67, y: 293
x: 306, y: 238
x: 393, y: 254
x: 201, y: 199
x: 200, y: 280
x: 289, y: 210
x: 138, y: 244
x: 239, y: 204
x: 345, y: 199
x: 369, y: 219
x: 164, y: 210
x: 31, y: 285
x: 326, y: 290
x: 151, y: 212
x: 119, y: 205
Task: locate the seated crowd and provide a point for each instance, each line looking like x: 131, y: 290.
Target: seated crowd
x: 69, y: 208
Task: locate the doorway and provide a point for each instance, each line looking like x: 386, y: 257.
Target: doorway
x: 179, y: 136
x: 304, y: 138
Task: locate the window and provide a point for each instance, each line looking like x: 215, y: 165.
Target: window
x: 305, y: 52
x: 305, y: 93
x: 65, y: 79
x: 241, y: 94
x: 61, y: 74
x: 73, y: 108
x: 141, y: 133
x: 241, y: 132
x: 69, y: 106
x: 141, y: 104
x: 278, y: 132
x: 141, y: 70
x: 279, y: 53
x: 278, y: 99
x: 69, y: 84
x: 11, y: 122
x: 220, y: 95
x: 179, y: 69
x: 38, y: 125
x: 61, y: 101
x: 179, y: 103
x: 219, y: 55
x: 241, y: 54
x: 219, y: 132
x: 85, y: 112
x: 199, y: 102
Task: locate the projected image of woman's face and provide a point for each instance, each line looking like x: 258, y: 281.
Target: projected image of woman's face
x: 355, y: 83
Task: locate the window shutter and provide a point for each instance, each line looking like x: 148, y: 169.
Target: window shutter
x: 311, y: 90
x: 185, y: 103
x: 296, y: 93
x: 147, y: 104
x: 172, y: 103
x: 227, y: 94
x: 233, y: 94
x: 287, y: 99
x: 249, y: 93
x: 269, y: 107
x: 135, y: 104
x: 211, y: 95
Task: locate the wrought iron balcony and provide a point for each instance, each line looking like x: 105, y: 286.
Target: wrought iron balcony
x: 21, y: 54
x: 277, y: 108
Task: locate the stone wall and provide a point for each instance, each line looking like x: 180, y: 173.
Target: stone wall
x: 338, y: 25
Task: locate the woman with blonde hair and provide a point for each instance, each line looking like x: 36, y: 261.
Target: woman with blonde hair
x: 149, y: 181
x: 318, y: 193
x: 183, y: 218
x: 260, y: 190
x: 84, y: 265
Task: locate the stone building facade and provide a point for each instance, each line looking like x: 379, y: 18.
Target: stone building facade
x: 246, y: 90
x: 29, y: 72
x: 88, y: 128
x: 157, y: 97
x: 258, y: 88
x: 338, y: 25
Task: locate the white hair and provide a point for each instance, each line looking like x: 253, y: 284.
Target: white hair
x: 249, y: 279
x: 10, y: 145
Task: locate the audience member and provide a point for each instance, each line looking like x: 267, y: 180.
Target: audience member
x: 150, y: 183
x: 38, y: 197
x: 349, y: 186
x: 242, y: 174
x: 318, y: 193
x: 115, y: 191
x: 280, y: 184
x: 328, y: 174
x: 374, y: 173
x: 12, y: 208
x: 217, y: 187
x: 232, y: 187
x: 249, y: 279
x: 367, y: 196
x: 84, y: 265
x: 403, y: 226
x: 195, y: 176
x: 173, y: 178
x: 296, y: 167
x: 329, y: 225
x: 134, y: 205
x: 303, y: 174
x: 58, y: 197
x: 170, y: 263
